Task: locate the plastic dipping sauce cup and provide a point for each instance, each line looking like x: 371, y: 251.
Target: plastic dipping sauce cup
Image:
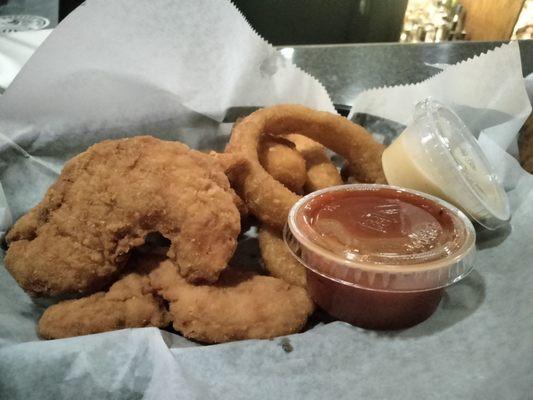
x: 379, y: 256
x: 437, y: 154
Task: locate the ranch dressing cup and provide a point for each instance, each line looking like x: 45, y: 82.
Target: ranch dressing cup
x: 437, y: 154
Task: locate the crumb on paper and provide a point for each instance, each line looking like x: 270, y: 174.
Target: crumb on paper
x: 286, y: 345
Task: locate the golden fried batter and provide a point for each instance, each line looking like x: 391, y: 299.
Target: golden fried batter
x: 232, y: 164
x: 241, y: 305
x: 268, y: 199
x: 321, y: 172
x: 277, y: 258
x: 284, y: 163
x: 108, y: 199
x: 129, y: 303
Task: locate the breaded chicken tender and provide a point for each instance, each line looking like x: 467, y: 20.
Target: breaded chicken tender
x: 105, y: 202
x: 232, y: 165
x: 129, y: 303
x: 241, y: 305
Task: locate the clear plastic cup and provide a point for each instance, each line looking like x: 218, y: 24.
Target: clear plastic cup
x: 437, y: 154
x: 391, y: 269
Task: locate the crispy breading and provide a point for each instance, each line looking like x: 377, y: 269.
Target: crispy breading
x: 105, y: 202
x: 241, y: 305
x: 129, y: 303
x: 233, y: 164
x: 279, y: 158
x: 268, y: 199
x: 277, y: 258
x: 321, y: 172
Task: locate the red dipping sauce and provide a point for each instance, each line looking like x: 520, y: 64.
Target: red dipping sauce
x: 379, y: 256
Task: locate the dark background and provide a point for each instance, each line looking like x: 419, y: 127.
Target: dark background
x: 284, y: 22
x: 281, y: 22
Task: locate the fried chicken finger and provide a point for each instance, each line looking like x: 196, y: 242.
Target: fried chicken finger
x: 129, y: 303
x: 241, y: 305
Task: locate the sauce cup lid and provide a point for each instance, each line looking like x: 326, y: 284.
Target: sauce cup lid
x: 457, y: 164
x: 382, y: 270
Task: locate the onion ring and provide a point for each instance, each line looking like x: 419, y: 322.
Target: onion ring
x: 278, y: 260
x: 268, y: 199
x: 283, y: 162
x: 321, y: 172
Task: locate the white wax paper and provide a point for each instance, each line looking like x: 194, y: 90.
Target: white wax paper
x: 15, y: 49
x: 487, y: 92
x: 173, y: 69
x: 119, y: 68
